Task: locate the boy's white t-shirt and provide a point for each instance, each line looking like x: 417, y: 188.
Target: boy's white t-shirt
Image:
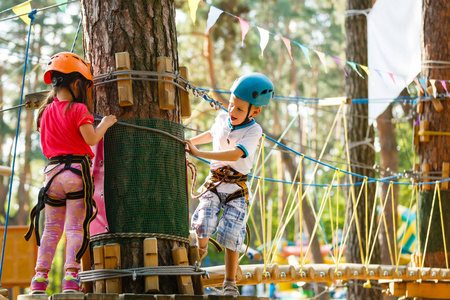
x: 225, y: 137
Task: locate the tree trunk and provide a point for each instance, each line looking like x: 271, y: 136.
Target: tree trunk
x: 435, y: 41
x: 146, y: 30
x: 389, y: 160
x: 359, y: 130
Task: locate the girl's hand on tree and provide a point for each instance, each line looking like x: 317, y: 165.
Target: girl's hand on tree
x: 191, y: 149
x: 109, y: 120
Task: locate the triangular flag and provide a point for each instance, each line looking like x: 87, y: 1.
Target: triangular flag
x: 366, y: 69
x: 339, y: 63
x: 392, y: 77
x: 381, y: 76
x: 24, y: 8
x: 418, y: 85
x: 213, y: 15
x: 433, y: 86
x: 62, y: 7
x: 245, y: 26
x: 353, y: 66
x: 423, y: 84
x: 321, y: 56
x: 287, y: 43
x: 445, y: 87
x: 193, y: 6
x: 264, y: 34
x: 305, y: 52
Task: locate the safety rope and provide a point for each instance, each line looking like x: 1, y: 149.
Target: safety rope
x: 31, y: 16
x: 93, y: 275
x: 429, y: 226
x: 76, y: 36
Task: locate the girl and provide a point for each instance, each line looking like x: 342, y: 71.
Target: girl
x: 65, y: 123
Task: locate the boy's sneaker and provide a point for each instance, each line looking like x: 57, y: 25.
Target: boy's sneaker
x: 71, y: 283
x: 39, y: 283
x: 230, y: 289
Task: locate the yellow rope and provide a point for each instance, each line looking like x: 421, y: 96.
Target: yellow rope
x: 352, y: 188
x: 386, y: 228
x: 372, y: 219
x: 336, y: 249
x: 322, y: 208
x: 331, y: 222
x: 429, y: 225
x: 378, y: 229
x: 351, y: 222
x: 263, y: 208
x: 253, y: 220
x: 418, y: 221
x: 404, y: 234
x: 300, y: 200
x: 367, y: 214
x: 425, y: 132
x: 394, y: 222
x: 442, y: 224
x: 279, y: 233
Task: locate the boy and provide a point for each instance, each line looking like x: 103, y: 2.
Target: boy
x: 235, y: 137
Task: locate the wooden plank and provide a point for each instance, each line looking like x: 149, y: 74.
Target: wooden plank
x: 166, y: 92
x: 429, y: 290
x: 151, y: 260
x: 436, y: 102
x: 188, y: 297
x: 99, y: 264
x: 86, y: 266
x: 184, y: 96
x: 33, y: 297
x: 5, y: 171
x: 196, y: 280
x: 112, y: 261
x: 124, y: 86
x: 445, y: 174
x: 95, y: 296
x: 426, y: 173
x: 67, y: 296
x: 164, y: 297
x: 424, y: 126
x: 5, y: 293
x: 184, y: 282
x: 136, y: 297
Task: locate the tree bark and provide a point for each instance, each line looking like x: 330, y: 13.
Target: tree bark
x: 435, y: 41
x: 359, y: 130
x: 146, y: 30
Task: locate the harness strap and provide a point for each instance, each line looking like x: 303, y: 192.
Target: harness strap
x: 87, y: 194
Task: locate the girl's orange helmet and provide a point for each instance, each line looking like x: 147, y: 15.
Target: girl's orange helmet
x: 66, y: 63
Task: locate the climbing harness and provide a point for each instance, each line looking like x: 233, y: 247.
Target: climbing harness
x: 86, y: 193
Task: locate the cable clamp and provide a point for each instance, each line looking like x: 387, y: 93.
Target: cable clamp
x: 134, y: 276
x: 109, y: 71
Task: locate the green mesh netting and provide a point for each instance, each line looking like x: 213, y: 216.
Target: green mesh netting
x: 145, y: 179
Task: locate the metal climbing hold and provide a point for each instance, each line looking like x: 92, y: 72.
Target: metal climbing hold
x: 134, y: 276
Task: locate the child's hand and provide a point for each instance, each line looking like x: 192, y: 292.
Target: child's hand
x: 191, y: 149
x: 109, y: 120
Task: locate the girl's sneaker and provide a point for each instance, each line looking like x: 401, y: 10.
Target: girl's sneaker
x: 39, y: 283
x: 71, y: 283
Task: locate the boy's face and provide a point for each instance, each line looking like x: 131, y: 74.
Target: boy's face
x: 238, y: 108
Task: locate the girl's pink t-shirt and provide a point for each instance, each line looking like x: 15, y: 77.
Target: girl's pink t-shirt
x: 60, y: 129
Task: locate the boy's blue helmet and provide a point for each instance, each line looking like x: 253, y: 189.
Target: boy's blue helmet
x: 254, y: 88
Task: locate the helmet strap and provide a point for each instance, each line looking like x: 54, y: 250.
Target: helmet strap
x: 75, y: 99
x: 247, y: 118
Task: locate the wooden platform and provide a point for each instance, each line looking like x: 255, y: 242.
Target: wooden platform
x: 134, y: 297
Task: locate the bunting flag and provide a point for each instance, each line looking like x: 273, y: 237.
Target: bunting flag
x: 381, y: 77
x: 353, y: 66
x: 445, y: 87
x: 213, y: 15
x: 424, y: 86
x: 62, y: 7
x: 338, y: 61
x: 321, y: 56
x: 264, y: 34
x: 433, y: 86
x: 24, y: 8
x: 245, y: 26
x: 305, y: 51
x: 193, y: 6
x: 366, y: 69
x: 392, y: 77
x: 419, y: 87
x: 287, y: 43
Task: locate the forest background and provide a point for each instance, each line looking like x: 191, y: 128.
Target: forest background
x: 214, y: 61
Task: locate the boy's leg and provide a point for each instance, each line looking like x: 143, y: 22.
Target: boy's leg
x: 231, y: 264
x: 204, y: 220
